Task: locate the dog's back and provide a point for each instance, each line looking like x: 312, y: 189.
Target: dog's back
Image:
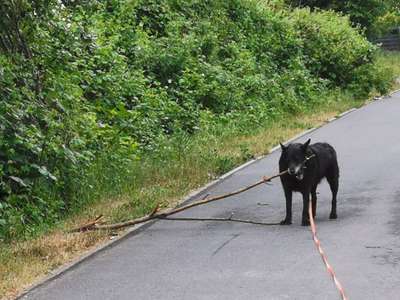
x: 327, y: 160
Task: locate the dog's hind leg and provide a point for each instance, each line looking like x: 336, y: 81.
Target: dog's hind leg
x: 314, y: 200
x: 333, y: 180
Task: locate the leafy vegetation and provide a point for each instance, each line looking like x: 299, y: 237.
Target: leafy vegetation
x: 373, y: 16
x: 93, y: 92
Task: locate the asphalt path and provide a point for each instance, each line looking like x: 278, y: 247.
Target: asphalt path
x: 222, y: 260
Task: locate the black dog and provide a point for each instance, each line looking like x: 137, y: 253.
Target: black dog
x: 305, y: 177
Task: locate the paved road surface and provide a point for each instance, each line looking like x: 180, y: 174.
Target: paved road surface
x: 185, y: 260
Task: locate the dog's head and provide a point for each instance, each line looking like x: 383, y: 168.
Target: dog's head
x: 292, y: 158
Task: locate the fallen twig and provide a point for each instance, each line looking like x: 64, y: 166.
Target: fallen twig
x: 154, y: 214
x: 158, y: 215
x: 89, y: 225
x: 218, y: 220
x: 162, y: 215
x: 156, y: 208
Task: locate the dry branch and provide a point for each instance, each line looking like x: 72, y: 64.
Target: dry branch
x: 155, y: 215
x: 230, y: 219
x: 88, y: 226
x: 163, y: 215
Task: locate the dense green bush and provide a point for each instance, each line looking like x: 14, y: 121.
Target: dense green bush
x: 89, y: 87
x: 333, y: 50
x: 368, y: 15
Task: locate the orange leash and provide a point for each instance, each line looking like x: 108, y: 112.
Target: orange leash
x: 323, y: 256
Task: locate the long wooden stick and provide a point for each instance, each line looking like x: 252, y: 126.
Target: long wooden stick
x: 155, y: 215
x: 219, y: 220
x: 162, y: 215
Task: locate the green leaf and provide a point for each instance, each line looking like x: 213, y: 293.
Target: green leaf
x: 43, y: 170
x: 18, y: 180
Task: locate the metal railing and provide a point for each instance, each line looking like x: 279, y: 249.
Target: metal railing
x: 389, y: 42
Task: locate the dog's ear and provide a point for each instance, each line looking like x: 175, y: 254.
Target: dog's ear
x: 305, y: 145
x: 283, y: 147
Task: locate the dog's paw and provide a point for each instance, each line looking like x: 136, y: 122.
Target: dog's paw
x: 285, y: 222
x: 305, y: 223
x: 333, y: 216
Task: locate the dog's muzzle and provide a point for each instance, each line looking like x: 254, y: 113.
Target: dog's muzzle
x: 300, y: 176
x: 297, y: 171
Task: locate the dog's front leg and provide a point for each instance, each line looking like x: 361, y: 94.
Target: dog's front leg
x: 305, y: 221
x: 288, y: 219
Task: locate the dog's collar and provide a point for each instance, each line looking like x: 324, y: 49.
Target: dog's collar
x: 309, y: 154
x: 308, y: 158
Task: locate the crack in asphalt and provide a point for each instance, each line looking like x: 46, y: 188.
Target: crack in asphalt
x: 225, y: 243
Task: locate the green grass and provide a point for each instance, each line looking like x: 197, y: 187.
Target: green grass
x: 183, y: 164
x: 390, y: 61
